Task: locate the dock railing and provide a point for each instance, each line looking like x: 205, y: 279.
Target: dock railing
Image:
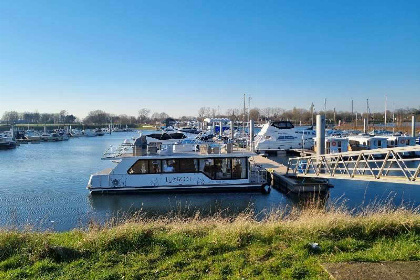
x: 398, y: 165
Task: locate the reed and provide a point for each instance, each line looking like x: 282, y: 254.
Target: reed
x: 175, y: 246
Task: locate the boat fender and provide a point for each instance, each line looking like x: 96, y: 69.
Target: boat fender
x: 115, y: 182
x: 265, y: 188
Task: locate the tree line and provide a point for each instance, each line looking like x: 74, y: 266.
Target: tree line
x: 144, y: 116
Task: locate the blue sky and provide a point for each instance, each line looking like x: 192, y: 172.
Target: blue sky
x: 176, y: 56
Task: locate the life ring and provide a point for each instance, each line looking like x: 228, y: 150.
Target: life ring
x: 115, y: 182
x: 402, y: 141
x: 333, y: 143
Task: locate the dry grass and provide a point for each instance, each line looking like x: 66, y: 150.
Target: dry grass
x: 216, y: 247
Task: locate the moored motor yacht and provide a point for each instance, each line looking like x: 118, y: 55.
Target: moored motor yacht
x: 283, y: 135
x: 7, y: 141
x: 99, y: 132
x: 32, y: 135
x: 50, y: 137
x: 160, y: 169
x: 89, y: 133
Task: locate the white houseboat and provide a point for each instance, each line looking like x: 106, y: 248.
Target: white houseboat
x: 366, y: 142
x: 400, y: 141
x: 335, y: 145
x: 212, y: 168
x: 282, y: 135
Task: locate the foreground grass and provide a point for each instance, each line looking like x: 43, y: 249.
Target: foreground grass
x: 214, y: 248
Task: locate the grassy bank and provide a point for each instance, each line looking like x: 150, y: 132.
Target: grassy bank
x: 214, y: 248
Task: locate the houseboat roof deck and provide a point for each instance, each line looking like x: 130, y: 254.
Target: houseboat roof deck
x: 187, y: 155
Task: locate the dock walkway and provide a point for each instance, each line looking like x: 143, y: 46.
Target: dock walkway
x: 279, y: 178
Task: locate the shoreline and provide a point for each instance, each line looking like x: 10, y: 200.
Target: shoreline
x: 280, y: 246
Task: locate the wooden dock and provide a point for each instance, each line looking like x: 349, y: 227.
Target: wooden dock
x: 288, y: 183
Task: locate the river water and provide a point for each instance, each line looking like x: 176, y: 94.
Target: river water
x: 43, y: 186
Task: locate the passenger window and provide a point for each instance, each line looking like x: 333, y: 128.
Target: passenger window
x: 239, y: 168
x: 154, y: 166
x: 207, y: 167
x: 140, y: 167
x: 170, y: 166
x: 222, y: 168
x: 188, y: 165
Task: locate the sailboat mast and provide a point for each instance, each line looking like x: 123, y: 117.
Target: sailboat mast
x: 386, y: 100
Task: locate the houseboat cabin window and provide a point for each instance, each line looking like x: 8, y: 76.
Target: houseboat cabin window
x: 214, y: 168
x: 207, y: 167
x: 140, y: 167
x: 188, y: 165
x: 154, y: 166
x: 170, y: 166
x: 222, y: 168
x: 184, y: 165
x: 239, y: 168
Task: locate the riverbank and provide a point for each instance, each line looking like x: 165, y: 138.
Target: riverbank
x: 279, y: 247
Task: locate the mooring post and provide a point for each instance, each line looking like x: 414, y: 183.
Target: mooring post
x: 251, y: 135
x: 413, y: 125
x: 231, y: 130
x: 364, y: 126
x: 320, y: 135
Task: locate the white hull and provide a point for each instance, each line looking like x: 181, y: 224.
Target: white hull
x: 273, y: 138
x: 190, y: 188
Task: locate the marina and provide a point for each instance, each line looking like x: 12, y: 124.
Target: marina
x: 54, y: 196
x: 209, y: 140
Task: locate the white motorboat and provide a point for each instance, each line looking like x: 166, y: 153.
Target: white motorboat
x: 282, y: 135
x: 7, y: 141
x: 154, y: 169
x: 89, y: 133
x: 32, y: 135
x: 99, y: 132
x: 50, y: 137
x: 76, y: 132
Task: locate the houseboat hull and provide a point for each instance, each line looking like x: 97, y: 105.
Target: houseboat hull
x: 189, y: 189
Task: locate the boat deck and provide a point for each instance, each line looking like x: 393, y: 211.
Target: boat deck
x: 290, y: 183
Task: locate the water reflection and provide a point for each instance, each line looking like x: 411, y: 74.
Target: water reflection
x: 152, y: 205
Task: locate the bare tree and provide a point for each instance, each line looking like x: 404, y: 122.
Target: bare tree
x: 254, y: 114
x: 143, y: 114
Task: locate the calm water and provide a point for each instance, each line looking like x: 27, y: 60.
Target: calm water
x: 44, y: 185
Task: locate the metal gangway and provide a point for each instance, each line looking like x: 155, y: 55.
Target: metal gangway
x: 395, y: 165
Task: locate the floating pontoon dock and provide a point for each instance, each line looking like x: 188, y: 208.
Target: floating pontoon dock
x: 290, y: 183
